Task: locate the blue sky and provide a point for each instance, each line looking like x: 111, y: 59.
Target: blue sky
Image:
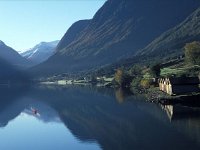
x: 25, y: 23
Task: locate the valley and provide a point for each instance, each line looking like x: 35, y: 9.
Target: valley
x: 100, y: 75
x: 122, y: 35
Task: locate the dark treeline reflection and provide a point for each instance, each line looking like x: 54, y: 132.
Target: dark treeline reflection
x: 114, y: 119
x: 10, y: 103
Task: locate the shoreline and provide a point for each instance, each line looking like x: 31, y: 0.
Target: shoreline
x: 153, y: 94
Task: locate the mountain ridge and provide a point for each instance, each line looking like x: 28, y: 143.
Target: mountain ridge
x: 118, y: 30
x: 173, y: 40
x: 40, y: 52
x: 11, y: 56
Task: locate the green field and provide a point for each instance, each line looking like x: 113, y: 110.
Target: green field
x: 180, y: 70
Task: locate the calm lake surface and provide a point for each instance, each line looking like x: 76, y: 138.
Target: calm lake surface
x: 86, y: 118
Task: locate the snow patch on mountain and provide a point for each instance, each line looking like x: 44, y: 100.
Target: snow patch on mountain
x: 40, y: 52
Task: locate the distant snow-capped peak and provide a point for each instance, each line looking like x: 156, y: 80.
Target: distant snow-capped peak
x: 40, y: 52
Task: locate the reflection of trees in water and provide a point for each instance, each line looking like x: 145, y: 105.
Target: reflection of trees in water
x: 92, y: 116
x: 95, y: 115
x: 120, y: 95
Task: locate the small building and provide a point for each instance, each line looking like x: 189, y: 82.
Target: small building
x: 178, y: 86
x: 62, y: 82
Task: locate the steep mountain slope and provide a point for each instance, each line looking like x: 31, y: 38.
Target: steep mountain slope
x: 11, y: 73
x: 7, y: 68
x: 173, y: 41
x: 40, y: 52
x: 118, y: 30
x: 11, y: 56
x: 73, y: 33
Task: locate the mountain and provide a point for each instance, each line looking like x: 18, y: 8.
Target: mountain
x: 73, y: 33
x: 119, y: 29
x: 11, y: 73
x: 172, y: 41
x: 10, y: 56
x: 40, y: 52
x: 12, y: 65
x: 8, y: 69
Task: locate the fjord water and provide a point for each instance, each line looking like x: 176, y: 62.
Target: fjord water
x: 89, y: 118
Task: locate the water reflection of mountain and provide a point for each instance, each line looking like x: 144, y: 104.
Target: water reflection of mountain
x: 95, y: 115
x: 185, y: 119
x: 13, y: 102
x: 92, y: 115
x: 44, y: 112
x: 9, y: 109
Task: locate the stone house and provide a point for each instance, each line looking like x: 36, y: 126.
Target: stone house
x: 178, y: 86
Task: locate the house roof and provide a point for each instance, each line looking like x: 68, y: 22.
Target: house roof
x: 184, y: 80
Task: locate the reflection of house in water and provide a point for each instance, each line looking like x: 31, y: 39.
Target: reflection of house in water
x: 185, y: 119
x: 178, y: 111
x: 181, y: 85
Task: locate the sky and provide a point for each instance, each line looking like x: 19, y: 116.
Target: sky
x: 25, y: 23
